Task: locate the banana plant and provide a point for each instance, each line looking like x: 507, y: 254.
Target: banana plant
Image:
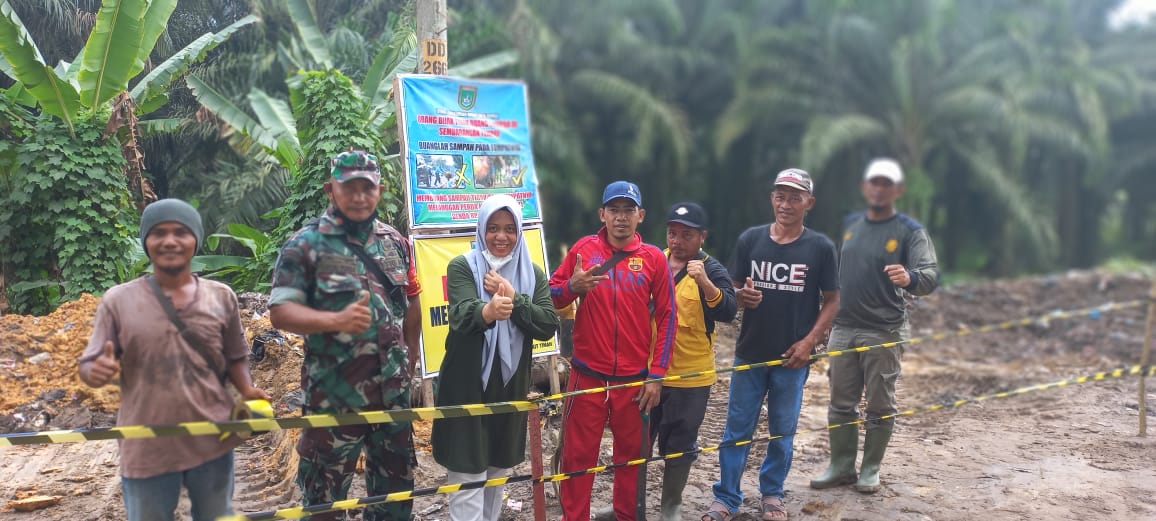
x: 243, y: 273
x: 123, y: 35
x: 75, y: 147
x: 274, y: 129
x: 293, y: 135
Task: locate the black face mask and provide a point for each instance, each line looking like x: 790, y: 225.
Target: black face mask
x: 355, y: 228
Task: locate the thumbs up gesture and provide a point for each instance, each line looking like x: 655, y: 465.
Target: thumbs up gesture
x: 491, y: 281
x: 104, y: 367
x: 583, y: 280
x: 501, y: 306
x: 748, y: 295
x: 355, y: 318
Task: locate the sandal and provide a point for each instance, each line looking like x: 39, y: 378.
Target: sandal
x: 774, y: 509
x: 717, y: 512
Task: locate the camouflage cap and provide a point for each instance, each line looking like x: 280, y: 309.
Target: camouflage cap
x: 354, y: 164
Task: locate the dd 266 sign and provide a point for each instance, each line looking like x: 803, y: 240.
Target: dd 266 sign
x: 433, y: 56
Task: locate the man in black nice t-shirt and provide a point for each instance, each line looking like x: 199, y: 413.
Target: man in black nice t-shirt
x: 787, y: 280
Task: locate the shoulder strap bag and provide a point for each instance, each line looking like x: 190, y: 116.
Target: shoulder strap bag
x: 167, y: 305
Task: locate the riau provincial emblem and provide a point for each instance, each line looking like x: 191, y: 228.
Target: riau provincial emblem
x: 467, y: 97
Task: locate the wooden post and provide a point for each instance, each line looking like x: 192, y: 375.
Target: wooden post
x: 1145, y: 357
x: 432, y: 38
x: 555, y: 384
x: 536, y: 460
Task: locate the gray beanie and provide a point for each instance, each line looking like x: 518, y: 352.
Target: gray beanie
x: 175, y: 210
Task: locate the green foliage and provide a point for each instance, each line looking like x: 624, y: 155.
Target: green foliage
x: 1128, y: 264
x: 67, y: 220
x: 54, y: 93
x: 312, y: 37
x: 248, y: 273
x: 113, y: 54
x: 329, y: 112
x: 151, y: 92
x: 68, y: 217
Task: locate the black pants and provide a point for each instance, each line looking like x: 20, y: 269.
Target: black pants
x: 674, y: 423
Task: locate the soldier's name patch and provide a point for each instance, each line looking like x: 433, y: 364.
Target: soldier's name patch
x: 393, y: 266
x: 332, y: 263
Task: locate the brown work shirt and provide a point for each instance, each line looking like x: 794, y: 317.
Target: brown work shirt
x: 163, y: 379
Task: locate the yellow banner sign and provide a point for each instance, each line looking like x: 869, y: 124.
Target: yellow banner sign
x: 433, y: 254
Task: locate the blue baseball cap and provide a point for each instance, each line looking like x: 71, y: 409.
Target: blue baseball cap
x: 624, y: 189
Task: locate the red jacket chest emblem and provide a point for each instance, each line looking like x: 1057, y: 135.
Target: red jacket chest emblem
x: 634, y: 263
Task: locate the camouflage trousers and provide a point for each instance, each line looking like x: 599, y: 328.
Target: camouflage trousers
x: 328, y: 458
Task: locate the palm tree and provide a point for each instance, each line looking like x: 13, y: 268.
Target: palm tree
x: 899, y: 80
x: 623, y: 90
x: 69, y: 221
x: 1084, y: 78
x: 325, y: 113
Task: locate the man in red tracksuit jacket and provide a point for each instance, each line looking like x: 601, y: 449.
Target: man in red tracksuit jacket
x: 623, y: 283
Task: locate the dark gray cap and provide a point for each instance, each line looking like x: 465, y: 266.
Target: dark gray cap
x: 688, y: 213
x: 171, y: 210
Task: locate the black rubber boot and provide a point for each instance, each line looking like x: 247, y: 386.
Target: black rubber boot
x: 874, y: 446
x: 844, y: 447
x: 673, y: 482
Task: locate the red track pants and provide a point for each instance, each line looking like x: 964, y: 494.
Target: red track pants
x: 585, y: 418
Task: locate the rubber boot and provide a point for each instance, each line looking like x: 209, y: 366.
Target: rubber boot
x: 874, y: 446
x: 844, y: 447
x: 605, y: 513
x: 673, y: 482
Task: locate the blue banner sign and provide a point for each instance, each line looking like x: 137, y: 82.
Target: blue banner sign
x: 465, y: 140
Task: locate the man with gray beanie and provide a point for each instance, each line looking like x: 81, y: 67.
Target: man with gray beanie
x: 175, y: 338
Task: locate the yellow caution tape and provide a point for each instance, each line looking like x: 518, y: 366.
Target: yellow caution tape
x: 1094, y: 312
x: 400, y: 415
x: 300, y: 512
x: 262, y: 424
x: 249, y: 409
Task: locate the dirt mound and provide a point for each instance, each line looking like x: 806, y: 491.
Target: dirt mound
x: 38, y: 367
x: 38, y: 370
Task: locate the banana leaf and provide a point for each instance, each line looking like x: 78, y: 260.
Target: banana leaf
x: 20, y: 95
x: 400, y: 56
x: 229, y: 113
x: 277, y: 118
x: 156, y: 84
x: 485, y: 64
x: 209, y: 263
x: 55, y: 95
x: 154, y: 127
x: 111, y: 50
x: 155, y: 20
x: 312, y: 37
x: 6, y: 68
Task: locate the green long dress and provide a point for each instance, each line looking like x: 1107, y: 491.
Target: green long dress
x: 471, y: 444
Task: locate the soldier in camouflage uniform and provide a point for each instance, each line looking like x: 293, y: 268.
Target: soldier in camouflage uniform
x: 357, y: 328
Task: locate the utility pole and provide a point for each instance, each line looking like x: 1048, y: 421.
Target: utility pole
x: 433, y: 36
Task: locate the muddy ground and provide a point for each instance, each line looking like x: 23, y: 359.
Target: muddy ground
x: 1070, y: 452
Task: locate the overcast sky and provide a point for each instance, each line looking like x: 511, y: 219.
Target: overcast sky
x: 1133, y: 11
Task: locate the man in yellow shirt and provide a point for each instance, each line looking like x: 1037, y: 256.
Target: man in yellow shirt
x: 703, y: 294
